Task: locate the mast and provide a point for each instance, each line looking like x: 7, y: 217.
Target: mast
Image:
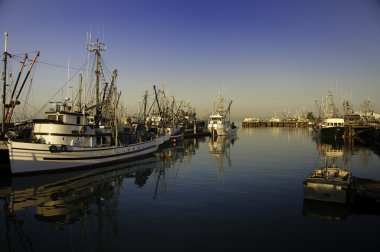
x: 80, y: 91
x: 68, y: 84
x: 97, y: 48
x: 228, y: 111
x: 158, y: 103
x: 4, y: 77
x: 145, y: 104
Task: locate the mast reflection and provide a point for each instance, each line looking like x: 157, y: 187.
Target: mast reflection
x: 170, y: 160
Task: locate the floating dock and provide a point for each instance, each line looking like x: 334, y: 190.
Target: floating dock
x: 366, y: 188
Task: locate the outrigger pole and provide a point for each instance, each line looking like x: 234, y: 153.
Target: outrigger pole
x: 14, y: 102
x: 4, y: 77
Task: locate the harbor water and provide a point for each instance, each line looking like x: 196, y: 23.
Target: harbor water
x: 203, y: 194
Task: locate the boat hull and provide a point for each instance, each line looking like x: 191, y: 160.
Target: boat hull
x: 332, y: 132
x: 177, y: 137
x: 222, y: 130
x: 28, y: 158
x: 4, y: 159
x: 325, y: 192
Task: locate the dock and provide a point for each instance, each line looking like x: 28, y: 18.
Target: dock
x: 362, y: 129
x: 366, y: 188
x: 265, y: 123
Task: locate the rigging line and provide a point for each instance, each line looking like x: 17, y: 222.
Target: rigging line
x: 108, y: 63
x: 60, y: 66
x: 49, y: 64
x: 20, y: 54
x: 57, y: 93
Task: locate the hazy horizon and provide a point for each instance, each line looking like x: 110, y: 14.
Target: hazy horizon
x: 269, y: 57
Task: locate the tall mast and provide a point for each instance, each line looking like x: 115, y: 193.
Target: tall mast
x: 145, y: 104
x: 4, y: 77
x: 96, y: 48
x: 68, y: 83
x: 80, y: 91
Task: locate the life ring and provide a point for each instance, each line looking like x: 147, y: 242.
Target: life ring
x: 63, y: 148
x: 53, y: 149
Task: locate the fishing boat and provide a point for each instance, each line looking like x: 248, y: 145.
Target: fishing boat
x: 219, y: 123
x: 162, y: 118
x: 79, y: 134
x: 329, y: 184
x: 332, y: 124
x: 175, y: 132
x: 332, y: 127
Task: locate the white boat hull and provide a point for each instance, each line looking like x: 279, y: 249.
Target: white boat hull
x: 222, y: 130
x: 35, y: 157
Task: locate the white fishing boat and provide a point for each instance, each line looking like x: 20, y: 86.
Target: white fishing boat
x: 219, y: 123
x: 328, y: 184
x: 72, y: 138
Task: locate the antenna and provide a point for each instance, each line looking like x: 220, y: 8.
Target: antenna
x: 68, y: 76
x: 103, y: 34
x: 5, y: 41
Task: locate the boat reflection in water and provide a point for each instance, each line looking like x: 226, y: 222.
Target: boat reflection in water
x: 170, y: 160
x: 63, y: 197
x: 325, y: 210
x: 328, y: 211
x: 219, y: 148
x: 90, y: 197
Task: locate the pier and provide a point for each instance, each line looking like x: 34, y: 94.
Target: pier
x: 259, y: 123
x: 362, y: 129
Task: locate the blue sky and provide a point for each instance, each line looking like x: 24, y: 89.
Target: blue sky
x: 267, y: 56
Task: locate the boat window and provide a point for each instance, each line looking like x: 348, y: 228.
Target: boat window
x: 51, y: 117
x: 78, y: 120
x: 60, y: 118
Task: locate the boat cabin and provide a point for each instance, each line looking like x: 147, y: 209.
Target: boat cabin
x: 333, y: 122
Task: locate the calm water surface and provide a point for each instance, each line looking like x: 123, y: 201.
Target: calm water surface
x: 201, y: 195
